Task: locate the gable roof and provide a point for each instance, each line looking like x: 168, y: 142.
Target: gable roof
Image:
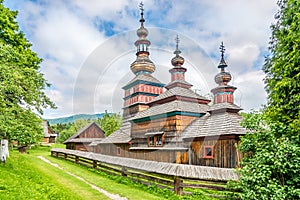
x: 47, y: 131
x: 217, y: 124
x: 74, y: 137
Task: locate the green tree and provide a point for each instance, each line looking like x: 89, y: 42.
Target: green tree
x: 66, y: 133
x: 80, y: 123
x: 21, y: 83
x: 271, y: 162
x: 110, y: 123
x: 282, y: 68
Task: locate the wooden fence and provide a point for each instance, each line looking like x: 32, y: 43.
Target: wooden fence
x: 179, y: 184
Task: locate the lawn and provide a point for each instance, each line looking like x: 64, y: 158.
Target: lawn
x: 25, y: 176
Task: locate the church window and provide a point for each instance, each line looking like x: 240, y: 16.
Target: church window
x: 155, y: 141
x: 118, y: 151
x: 151, y: 141
x: 158, y: 140
x: 208, y: 152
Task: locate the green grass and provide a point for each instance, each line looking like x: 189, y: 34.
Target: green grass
x: 25, y: 176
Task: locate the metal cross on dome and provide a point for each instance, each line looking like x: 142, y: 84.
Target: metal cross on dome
x: 222, y: 49
x: 141, y: 7
x: 177, y: 41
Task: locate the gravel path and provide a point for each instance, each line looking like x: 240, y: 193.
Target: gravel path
x: 106, y: 193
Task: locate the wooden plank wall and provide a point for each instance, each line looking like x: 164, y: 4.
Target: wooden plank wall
x: 224, y: 151
x: 92, y: 132
x: 169, y: 125
x: 178, y: 156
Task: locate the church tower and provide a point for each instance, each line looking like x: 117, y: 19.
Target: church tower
x: 223, y: 93
x: 178, y: 72
x: 144, y: 87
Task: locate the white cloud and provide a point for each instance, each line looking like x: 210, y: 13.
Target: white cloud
x: 243, y: 57
x: 85, y: 65
x: 250, y: 94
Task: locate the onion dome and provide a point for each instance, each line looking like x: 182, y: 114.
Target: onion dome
x: 222, y: 78
x: 142, y: 32
x: 177, y: 61
x: 177, y: 72
x: 142, y: 64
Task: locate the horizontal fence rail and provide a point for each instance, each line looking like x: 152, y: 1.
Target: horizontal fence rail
x: 146, y: 172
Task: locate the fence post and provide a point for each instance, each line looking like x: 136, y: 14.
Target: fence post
x: 94, y: 164
x: 177, y: 185
x: 124, y: 171
x: 76, y: 159
x: 65, y: 156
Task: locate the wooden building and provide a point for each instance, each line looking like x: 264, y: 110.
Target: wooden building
x: 49, y: 135
x: 84, y: 137
x: 175, y: 124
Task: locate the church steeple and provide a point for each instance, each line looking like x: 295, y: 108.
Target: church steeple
x: 223, y: 77
x: 224, y: 92
x: 178, y: 72
x: 143, y: 88
x: 142, y: 64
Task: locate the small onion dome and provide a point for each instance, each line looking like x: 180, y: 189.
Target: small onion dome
x: 223, y: 78
x: 177, y: 60
x: 142, y: 32
x: 142, y: 41
x: 142, y: 64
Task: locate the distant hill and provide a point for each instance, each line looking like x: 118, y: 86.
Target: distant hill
x: 71, y: 119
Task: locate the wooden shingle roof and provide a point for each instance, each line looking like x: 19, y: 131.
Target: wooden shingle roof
x: 217, y: 124
x: 85, y: 140
x: 180, y: 91
x: 181, y: 106
x: 118, y: 137
x: 147, y: 78
x: 219, y: 106
x: 181, y: 170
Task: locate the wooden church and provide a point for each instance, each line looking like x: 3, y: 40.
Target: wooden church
x: 172, y: 123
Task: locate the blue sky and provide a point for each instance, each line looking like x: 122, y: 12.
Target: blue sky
x: 88, y: 46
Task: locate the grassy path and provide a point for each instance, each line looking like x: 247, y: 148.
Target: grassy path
x: 106, y: 193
